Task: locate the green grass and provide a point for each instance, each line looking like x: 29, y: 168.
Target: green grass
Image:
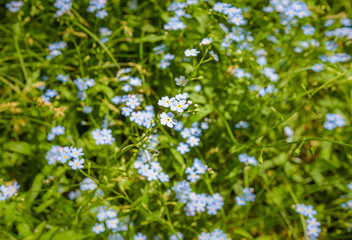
x: 312, y: 168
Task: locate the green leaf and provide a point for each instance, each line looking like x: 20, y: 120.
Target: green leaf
x: 68, y: 235
x: 18, y: 147
x: 10, y: 216
x: 242, y: 232
x: 202, y: 113
x: 23, y: 228
x: 35, y: 189
x: 38, y: 231
x: 203, y: 21
x: 317, y: 176
x: 148, y: 28
x: 349, y: 156
x: 260, y: 159
x: 44, y: 205
x: 151, y: 38
x: 145, y: 196
x: 178, y: 157
x: 189, y: 68
x: 49, y: 234
x: 105, y: 89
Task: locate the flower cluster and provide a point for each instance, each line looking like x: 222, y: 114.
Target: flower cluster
x: 74, y: 194
x: 142, y: 118
x: 242, y: 124
x: 158, y: 50
x: 247, y: 159
x: 49, y: 93
x: 312, y: 223
x: 318, y: 67
x: 331, y: 46
x: 42, y: 87
x: 196, y: 170
x: 83, y: 84
x: 175, y: 22
x: 339, y: 32
x: 348, y: 204
x: 165, y: 61
x: 105, y: 33
x: 123, y: 71
x: 147, y: 164
x: 239, y: 49
x: 214, y: 55
x: 6, y: 192
x: 334, y: 120
x: 140, y: 236
x: 132, y: 102
x: 63, y: 7
x: 98, y: 6
x: 192, y: 136
x: 107, y: 216
x: 191, y: 52
x: 53, y: 154
x: 198, y: 88
x: 308, y: 29
x: 56, y: 131
x: 270, y: 73
x: 177, y: 236
x: 197, y: 203
x: 234, y: 15
x: 217, y: 234
x: 181, y: 81
x: 238, y: 35
x: 131, y: 81
x: 116, y: 236
x: 55, y: 48
x: 63, y: 154
x: 67, y: 153
x: 249, y: 196
x: 261, y: 56
x: 63, y: 78
x: 177, y: 103
x: 103, y: 137
x: 240, y: 73
x: 87, y: 109
x: 289, y: 133
x: 306, y: 45
x: 262, y: 91
x: 337, y: 57
x: 14, y: 6
x: 289, y: 9
x: 87, y: 184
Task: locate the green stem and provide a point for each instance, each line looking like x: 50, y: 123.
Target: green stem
x: 228, y: 128
x: 79, y: 58
x: 100, y: 43
x: 278, y: 144
x: 21, y: 59
x: 303, y: 221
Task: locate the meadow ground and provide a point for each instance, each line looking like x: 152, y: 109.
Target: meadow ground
x: 175, y: 120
